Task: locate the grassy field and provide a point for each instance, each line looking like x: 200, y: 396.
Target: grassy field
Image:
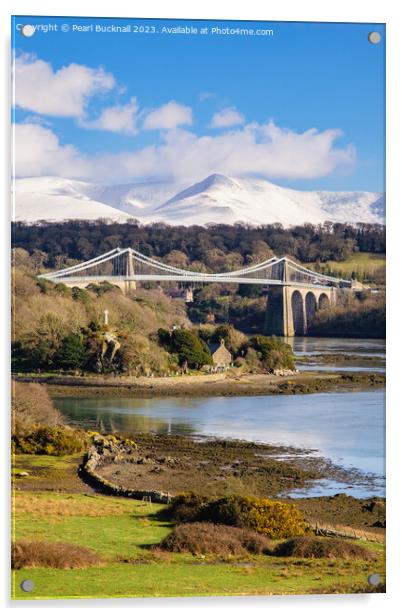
x: 122, y: 530
x: 366, y: 264
x: 48, y: 473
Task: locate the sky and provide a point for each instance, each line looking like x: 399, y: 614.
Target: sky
x: 302, y: 106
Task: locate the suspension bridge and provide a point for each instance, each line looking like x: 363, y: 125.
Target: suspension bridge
x: 295, y: 293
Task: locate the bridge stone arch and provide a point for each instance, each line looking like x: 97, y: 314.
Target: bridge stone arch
x: 291, y: 309
x: 299, y: 313
x: 323, y: 301
x: 311, y: 308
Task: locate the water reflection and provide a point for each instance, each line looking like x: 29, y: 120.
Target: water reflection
x: 305, y: 345
x: 122, y: 415
x: 346, y: 427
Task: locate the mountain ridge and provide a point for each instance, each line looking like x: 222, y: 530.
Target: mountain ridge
x: 215, y: 199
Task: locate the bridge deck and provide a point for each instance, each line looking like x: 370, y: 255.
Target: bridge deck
x: 187, y: 278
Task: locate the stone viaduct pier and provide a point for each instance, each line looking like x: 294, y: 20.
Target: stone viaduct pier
x: 291, y: 308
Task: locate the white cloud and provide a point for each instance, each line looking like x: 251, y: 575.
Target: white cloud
x: 117, y: 119
x: 39, y: 152
x: 57, y: 93
x: 168, y: 117
x: 265, y: 150
x: 227, y: 117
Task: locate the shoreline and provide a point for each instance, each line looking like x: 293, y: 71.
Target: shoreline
x: 306, y: 382
x: 169, y: 465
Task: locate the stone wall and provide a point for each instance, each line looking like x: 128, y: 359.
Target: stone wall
x: 104, y: 451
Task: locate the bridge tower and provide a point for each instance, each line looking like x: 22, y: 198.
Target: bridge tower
x: 279, y: 314
x: 129, y: 283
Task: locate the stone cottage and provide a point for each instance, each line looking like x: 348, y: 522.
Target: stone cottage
x: 221, y: 357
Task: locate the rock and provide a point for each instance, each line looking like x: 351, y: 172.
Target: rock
x: 145, y: 461
x: 156, y: 469
x: 22, y: 474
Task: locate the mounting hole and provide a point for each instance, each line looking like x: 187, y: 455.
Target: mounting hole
x: 374, y: 579
x: 374, y: 37
x: 27, y: 30
x: 27, y: 585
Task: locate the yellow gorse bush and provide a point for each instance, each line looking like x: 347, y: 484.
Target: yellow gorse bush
x: 272, y: 518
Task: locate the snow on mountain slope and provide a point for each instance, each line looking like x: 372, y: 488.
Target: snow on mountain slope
x: 220, y: 198
x: 135, y: 199
x: 53, y: 199
x: 216, y: 199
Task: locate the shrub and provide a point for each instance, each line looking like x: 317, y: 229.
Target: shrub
x: 58, y: 555
x: 190, y: 348
x: 205, y: 538
x: 186, y: 507
x: 273, y: 352
x: 323, y: 547
x: 272, y: 518
x: 363, y: 318
x: 62, y: 289
x: 72, y: 353
x: 103, y: 287
x: 140, y: 355
x: 39, y: 345
x: 80, y: 295
x: 51, y: 441
x: 252, y: 360
x: 32, y: 405
x: 164, y: 338
x: 233, y: 338
x: 44, y: 285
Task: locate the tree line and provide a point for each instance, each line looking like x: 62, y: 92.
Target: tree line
x: 214, y: 247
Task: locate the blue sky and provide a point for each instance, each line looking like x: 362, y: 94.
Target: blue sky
x: 302, y: 108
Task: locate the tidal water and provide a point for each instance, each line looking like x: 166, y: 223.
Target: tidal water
x: 305, y: 345
x: 348, y: 428
x: 366, y: 349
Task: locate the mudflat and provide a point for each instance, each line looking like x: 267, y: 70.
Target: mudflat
x: 216, y: 467
x: 225, y: 384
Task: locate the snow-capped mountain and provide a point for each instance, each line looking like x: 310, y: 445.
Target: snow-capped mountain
x: 53, y: 199
x: 219, y: 198
x: 216, y: 199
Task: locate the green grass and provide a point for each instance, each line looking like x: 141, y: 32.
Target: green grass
x: 28, y: 462
x: 184, y: 579
x: 121, y: 529
x: 364, y: 263
x: 119, y: 533
x: 47, y: 472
